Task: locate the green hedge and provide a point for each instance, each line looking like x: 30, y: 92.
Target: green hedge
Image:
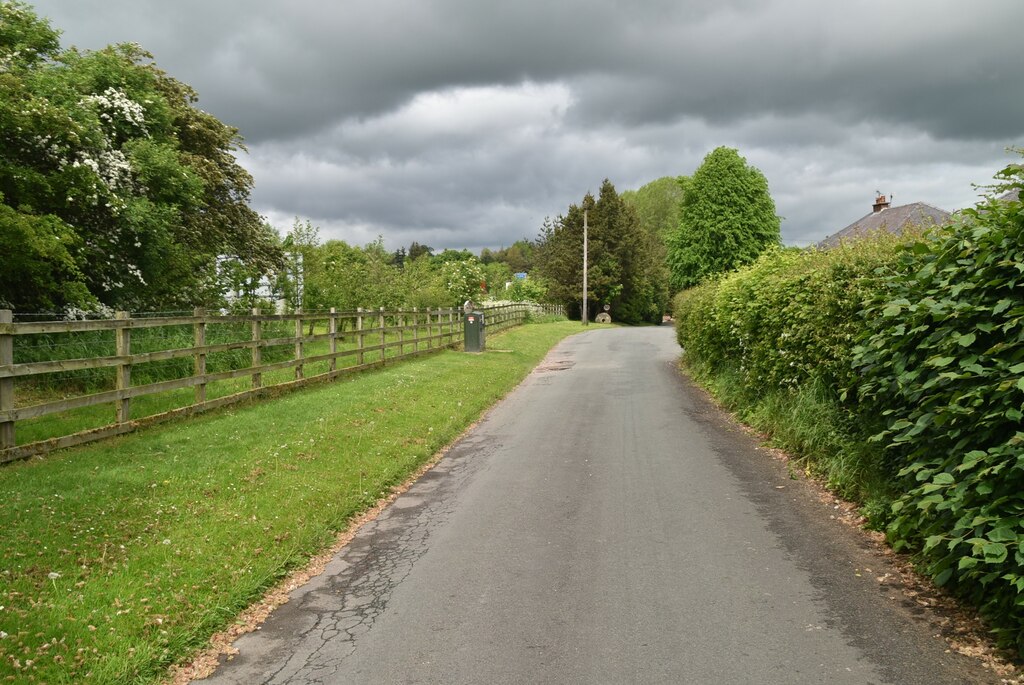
x: 944, y: 363
x: 917, y: 344
x: 792, y: 316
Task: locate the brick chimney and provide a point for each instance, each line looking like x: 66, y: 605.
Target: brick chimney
x: 880, y: 203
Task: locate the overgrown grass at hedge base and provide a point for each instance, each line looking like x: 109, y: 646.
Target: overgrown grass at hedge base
x: 120, y: 558
x: 917, y: 346
x: 945, y: 364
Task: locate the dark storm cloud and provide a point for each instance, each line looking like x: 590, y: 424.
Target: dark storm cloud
x: 279, y: 70
x: 468, y: 122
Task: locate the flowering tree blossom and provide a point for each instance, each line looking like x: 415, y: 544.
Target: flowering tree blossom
x: 114, y: 187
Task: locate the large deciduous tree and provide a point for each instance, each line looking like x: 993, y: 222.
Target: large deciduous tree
x: 727, y: 219
x: 658, y: 204
x: 115, y: 188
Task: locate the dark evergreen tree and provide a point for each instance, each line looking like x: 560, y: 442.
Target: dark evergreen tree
x: 416, y: 251
x: 621, y: 260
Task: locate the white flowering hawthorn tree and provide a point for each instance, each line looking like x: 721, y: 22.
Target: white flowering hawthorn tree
x: 464, y: 280
x: 114, y: 188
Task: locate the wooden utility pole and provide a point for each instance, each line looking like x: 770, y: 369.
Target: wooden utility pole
x: 585, y: 317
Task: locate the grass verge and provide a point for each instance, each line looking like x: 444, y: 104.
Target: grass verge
x: 121, y: 558
x: 808, y: 423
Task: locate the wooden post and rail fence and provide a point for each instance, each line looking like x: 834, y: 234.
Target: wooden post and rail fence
x: 350, y: 341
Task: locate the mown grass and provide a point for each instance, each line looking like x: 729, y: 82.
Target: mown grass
x: 35, y: 390
x: 121, y: 558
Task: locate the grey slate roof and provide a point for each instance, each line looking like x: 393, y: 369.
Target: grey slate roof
x: 891, y: 219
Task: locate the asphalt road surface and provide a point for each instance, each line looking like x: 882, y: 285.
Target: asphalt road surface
x: 603, y: 524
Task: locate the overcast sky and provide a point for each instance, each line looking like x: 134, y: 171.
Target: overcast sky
x: 463, y: 123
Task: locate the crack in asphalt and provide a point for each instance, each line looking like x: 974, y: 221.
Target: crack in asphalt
x: 337, y: 607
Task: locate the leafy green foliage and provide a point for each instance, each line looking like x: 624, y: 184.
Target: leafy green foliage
x: 38, y: 250
x: 775, y: 339
x: 416, y: 251
x: 529, y: 289
x: 497, y: 275
x: 658, y: 204
x: 791, y: 316
x: 320, y: 275
x: 921, y: 341
x: 464, y: 279
x: 943, y: 361
x: 107, y: 154
x: 727, y: 219
x: 519, y: 256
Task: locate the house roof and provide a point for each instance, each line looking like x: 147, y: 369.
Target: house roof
x: 891, y: 219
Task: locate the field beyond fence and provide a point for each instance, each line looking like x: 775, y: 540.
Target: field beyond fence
x: 65, y: 383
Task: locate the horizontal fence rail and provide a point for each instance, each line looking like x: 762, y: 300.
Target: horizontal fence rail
x: 116, y: 362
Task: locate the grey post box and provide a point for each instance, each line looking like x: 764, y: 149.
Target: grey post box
x: 473, y: 325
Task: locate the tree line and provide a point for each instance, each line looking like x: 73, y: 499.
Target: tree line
x: 320, y: 274
x: 669, y: 235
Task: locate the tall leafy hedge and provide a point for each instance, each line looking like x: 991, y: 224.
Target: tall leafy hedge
x: 791, y: 317
x: 943, y: 360
x: 921, y: 343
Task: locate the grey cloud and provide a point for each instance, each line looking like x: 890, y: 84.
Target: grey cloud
x: 281, y: 70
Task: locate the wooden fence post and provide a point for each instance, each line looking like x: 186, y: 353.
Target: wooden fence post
x: 415, y: 329
x: 359, y: 336
x: 298, y: 345
x: 401, y: 332
x: 430, y: 329
x: 199, y: 329
x: 451, y: 326
x: 332, y: 330
x: 257, y: 351
x: 6, y: 384
x: 123, y: 340
x: 383, y: 336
